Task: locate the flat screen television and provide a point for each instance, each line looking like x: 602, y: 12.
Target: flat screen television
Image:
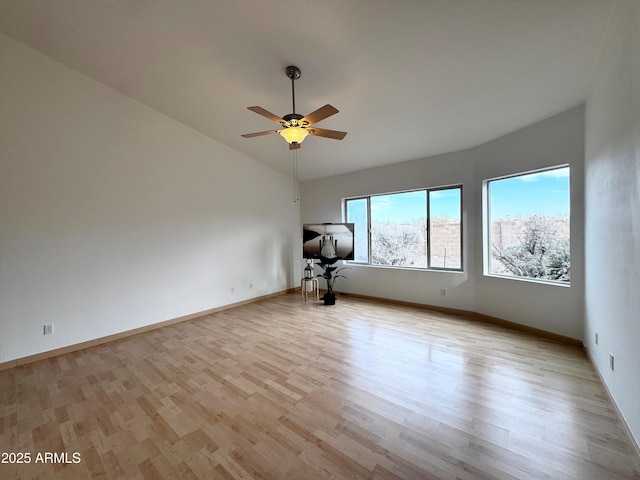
x: 328, y: 240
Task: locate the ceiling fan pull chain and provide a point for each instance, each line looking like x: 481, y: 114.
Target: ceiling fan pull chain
x: 296, y: 185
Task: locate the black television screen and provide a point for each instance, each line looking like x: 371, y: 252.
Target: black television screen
x: 328, y: 240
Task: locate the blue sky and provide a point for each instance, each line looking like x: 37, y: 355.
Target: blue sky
x: 545, y: 193
x: 404, y: 207
x: 410, y: 206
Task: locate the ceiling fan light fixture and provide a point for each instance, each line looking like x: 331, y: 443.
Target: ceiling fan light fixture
x: 294, y: 134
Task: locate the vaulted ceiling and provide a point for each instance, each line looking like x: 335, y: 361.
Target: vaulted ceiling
x: 411, y: 78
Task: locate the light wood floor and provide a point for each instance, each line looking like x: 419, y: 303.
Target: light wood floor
x: 283, y: 389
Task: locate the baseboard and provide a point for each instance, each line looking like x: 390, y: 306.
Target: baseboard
x: 525, y: 328
x: 436, y: 308
x: 128, y: 333
x: 477, y: 316
x: 623, y: 421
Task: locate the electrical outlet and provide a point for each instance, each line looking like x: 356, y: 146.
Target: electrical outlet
x: 596, y: 338
x: 251, y: 286
x: 48, y: 329
x: 233, y: 289
x: 611, y: 361
x: 443, y: 291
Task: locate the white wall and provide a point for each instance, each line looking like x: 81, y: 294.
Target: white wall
x: 557, y: 309
x: 113, y: 216
x: 612, y: 197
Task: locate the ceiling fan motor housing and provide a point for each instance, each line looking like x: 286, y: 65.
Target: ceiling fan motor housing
x: 293, y: 120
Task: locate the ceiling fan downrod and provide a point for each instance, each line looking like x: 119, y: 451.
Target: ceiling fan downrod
x: 293, y: 73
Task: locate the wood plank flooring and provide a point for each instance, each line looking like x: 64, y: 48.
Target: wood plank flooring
x: 285, y: 389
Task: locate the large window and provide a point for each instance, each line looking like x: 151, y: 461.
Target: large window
x: 527, y: 225
x: 418, y: 228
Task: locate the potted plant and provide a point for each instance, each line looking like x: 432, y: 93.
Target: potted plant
x: 330, y: 274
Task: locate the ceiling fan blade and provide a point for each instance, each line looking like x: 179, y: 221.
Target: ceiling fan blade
x: 267, y: 114
x: 294, y: 146
x: 258, y: 134
x: 321, y: 132
x: 320, y: 114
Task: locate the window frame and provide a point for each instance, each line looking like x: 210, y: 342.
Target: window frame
x: 486, y: 227
x: 427, y: 207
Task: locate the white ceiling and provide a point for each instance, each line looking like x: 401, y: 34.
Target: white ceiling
x: 411, y: 78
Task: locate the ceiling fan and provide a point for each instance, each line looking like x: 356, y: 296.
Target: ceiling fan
x: 295, y: 127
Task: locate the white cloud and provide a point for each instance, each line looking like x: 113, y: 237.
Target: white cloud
x: 555, y: 173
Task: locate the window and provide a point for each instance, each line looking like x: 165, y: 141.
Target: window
x: 418, y: 228
x: 358, y: 213
x: 445, y: 228
x: 527, y: 225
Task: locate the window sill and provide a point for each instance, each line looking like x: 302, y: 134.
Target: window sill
x: 348, y: 263
x: 552, y: 283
